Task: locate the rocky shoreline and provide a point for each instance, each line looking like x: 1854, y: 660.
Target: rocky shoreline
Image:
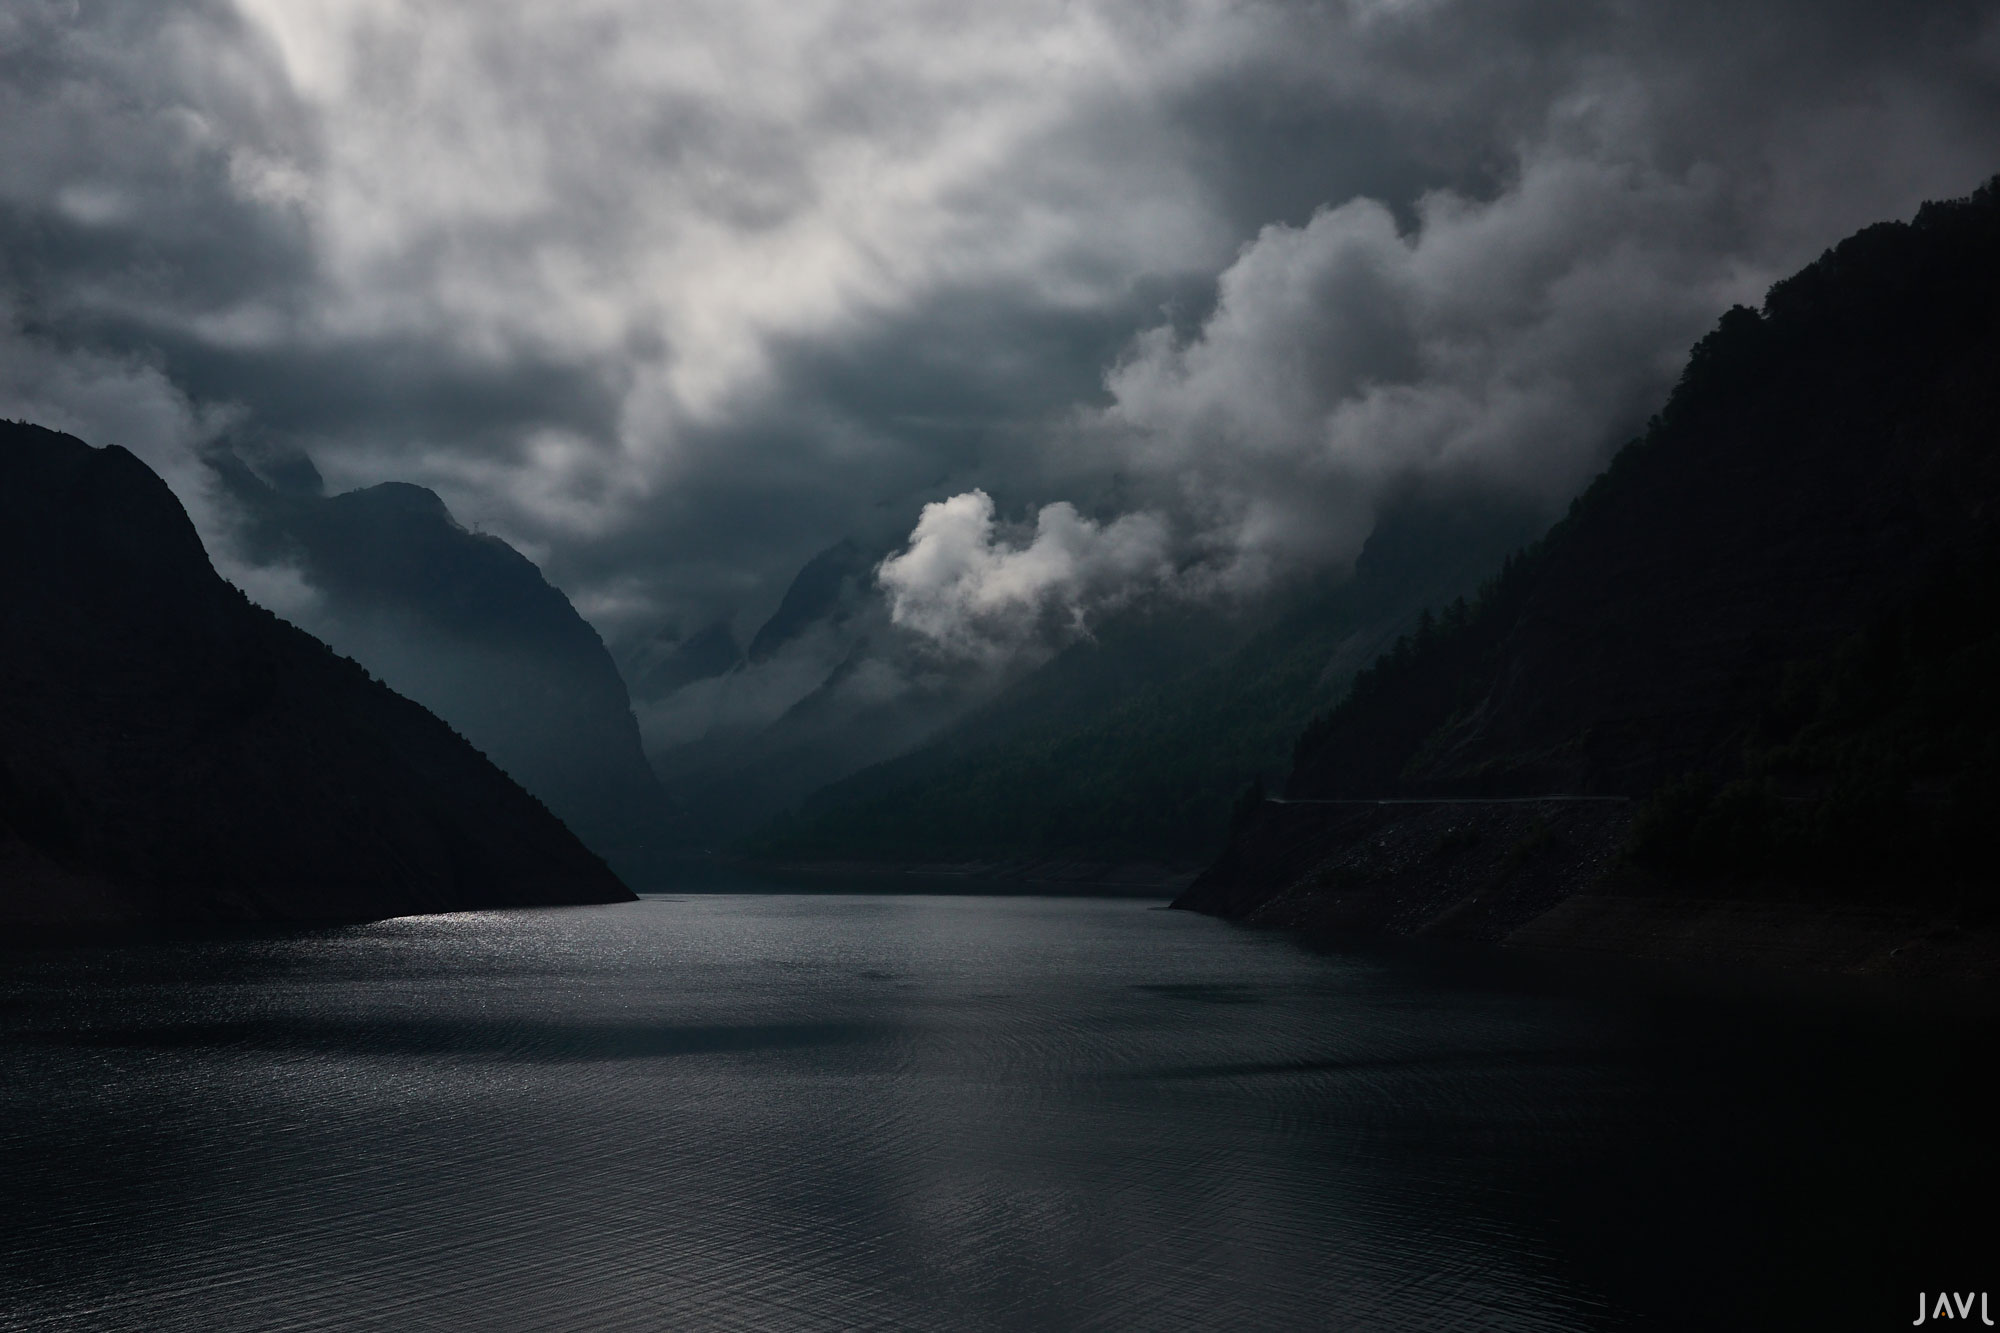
x: 1547, y: 876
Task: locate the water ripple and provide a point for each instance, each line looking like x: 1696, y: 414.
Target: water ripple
x: 775, y: 1113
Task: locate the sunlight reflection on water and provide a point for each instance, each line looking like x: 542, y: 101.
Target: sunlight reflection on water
x: 819, y: 1111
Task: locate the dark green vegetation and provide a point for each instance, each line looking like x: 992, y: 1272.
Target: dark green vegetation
x: 170, y: 751
x: 1873, y: 771
x: 467, y: 626
x: 1772, y: 621
x: 1396, y: 704
x: 1133, y: 745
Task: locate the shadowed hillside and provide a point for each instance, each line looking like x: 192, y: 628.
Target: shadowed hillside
x: 170, y: 751
x: 467, y: 626
x: 1769, y: 624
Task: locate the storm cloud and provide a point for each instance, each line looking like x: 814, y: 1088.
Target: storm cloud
x: 1136, y: 298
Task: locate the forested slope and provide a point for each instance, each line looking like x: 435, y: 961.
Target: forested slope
x: 1770, y: 624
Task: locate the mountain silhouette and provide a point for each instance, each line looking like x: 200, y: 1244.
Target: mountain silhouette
x: 467, y: 626
x: 171, y: 751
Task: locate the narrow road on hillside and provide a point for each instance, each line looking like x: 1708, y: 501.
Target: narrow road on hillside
x: 1437, y: 800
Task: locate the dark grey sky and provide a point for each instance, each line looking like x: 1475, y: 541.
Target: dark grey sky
x: 1146, y: 296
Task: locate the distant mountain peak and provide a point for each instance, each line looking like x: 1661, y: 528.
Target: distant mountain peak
x: 817, y: 593
x: 402, y: 498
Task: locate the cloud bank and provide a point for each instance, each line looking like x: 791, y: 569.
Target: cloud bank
x: 672, y: 295
x: 1502, y: 344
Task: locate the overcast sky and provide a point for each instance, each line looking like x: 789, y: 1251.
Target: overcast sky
x: 1138, y: 296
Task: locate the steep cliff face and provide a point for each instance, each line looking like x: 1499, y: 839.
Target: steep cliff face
x: 170, y: 751
x: 1821, y: 463
x: 467, y: 626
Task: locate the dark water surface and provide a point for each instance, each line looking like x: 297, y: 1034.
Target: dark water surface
x: 833, y: 1111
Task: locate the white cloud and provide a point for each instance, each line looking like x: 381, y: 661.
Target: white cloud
x: 705, y: 175
x: 1500, y: 343
x: 966, y: 586
x: 1497, y: 344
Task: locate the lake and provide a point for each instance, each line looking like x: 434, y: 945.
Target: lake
x: 835, y: 1110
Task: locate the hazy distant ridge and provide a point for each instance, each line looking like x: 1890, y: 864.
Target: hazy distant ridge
x: 467, y: 626
x: 169, y: 750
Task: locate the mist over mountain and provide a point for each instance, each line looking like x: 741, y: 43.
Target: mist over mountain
x: 1123, y: 737
x: 465, y: 625
x: 843, y: 373
x: 664, y: 662
x: 1131, y: 744
x: 827, y: 591
x: 1770, y: 625
x: 171, y: 751
x: 828, y: 685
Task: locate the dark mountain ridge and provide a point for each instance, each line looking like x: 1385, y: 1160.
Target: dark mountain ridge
x: 170, y: 751
x: 837, y: 575
x: 467, y: 626
x: 1821, y: 471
